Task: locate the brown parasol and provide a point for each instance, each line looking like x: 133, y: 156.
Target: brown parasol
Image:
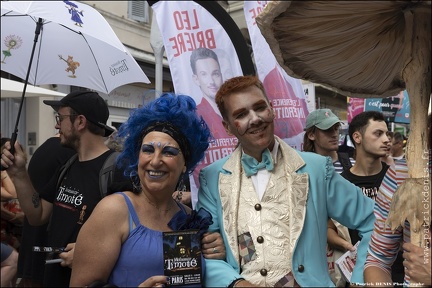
x: 365, y: 49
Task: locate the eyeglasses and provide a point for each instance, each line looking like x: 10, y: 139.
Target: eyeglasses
x: 59, y: 118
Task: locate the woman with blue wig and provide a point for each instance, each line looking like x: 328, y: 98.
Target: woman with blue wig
x: 121, y: 243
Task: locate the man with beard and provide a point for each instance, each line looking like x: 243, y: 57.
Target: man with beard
x: 81, y: 119
x: 44, y: 163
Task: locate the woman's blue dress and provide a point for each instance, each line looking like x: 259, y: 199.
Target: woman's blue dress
x: 141, y: 255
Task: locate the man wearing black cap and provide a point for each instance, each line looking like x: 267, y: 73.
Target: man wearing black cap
x: 81, y: 119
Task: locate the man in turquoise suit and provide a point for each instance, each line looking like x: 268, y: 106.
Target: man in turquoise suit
x: 271, y: 203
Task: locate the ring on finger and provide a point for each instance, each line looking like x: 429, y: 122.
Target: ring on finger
x: 215, y: 250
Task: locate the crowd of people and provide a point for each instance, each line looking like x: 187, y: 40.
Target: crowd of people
x: 266, y: 215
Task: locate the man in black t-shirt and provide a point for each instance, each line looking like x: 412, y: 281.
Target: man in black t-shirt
x: 44, y: 163
x: 368, y: 131
x: 81, y: 119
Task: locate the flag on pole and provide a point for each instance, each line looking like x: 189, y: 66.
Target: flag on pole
x: 284, y: 92
x: 201, y: 57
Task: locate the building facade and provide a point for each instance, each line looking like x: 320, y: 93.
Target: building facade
x: 132, y: 23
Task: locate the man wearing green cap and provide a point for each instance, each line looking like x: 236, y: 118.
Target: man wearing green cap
x: 322, y: 137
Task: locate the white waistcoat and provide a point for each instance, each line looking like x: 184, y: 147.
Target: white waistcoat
x: 279, y: 221
x: 265, y: 221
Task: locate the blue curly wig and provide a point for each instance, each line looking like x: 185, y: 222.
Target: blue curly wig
x: 180, y: 112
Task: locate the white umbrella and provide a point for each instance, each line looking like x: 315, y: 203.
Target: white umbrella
x: 71, y: 44
x: 76, y: 46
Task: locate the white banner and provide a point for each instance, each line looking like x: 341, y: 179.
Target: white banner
x: 201, y: 57
x: 285, y: 93
x: 309, y: 91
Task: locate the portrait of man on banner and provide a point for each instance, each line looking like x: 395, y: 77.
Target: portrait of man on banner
x: 208, y: 76
x: 192, y: 37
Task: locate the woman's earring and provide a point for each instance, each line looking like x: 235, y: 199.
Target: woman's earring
x: 181, y: 188
x: 136, y: 183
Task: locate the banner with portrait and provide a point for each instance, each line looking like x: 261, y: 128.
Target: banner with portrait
x: 201, y: 57
x: 285, y: 92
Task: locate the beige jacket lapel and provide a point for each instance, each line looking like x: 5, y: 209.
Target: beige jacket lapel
x: 298, y: 189
x: 229, y: 189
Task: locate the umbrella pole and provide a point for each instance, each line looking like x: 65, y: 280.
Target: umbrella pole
x: 15, y: 133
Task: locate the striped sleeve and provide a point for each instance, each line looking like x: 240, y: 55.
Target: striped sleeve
x: 385, y: 243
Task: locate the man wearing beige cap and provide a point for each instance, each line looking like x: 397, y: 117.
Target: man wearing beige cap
x: 67, y: 202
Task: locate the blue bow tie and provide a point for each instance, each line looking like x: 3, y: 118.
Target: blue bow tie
x: 251, y: 165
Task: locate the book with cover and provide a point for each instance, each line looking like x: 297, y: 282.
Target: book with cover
x: 182, y: 257
x: 347, y: 262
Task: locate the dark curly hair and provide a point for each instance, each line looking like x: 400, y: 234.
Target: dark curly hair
x: 180, y: 112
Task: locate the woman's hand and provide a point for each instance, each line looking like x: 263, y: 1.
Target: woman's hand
x: 155, y: 281
x: 213, y: 246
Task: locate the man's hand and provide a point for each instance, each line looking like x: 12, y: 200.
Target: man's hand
x: 18, y: 219
x: 186, y: 197
x: 417, y: 263
x: 67, y: 256
x: 213, y: 246
x: 13, y: 163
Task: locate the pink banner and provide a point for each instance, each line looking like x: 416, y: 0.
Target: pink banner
x: 285, y: 93
x: 201, y: 57
x: 355, y: 107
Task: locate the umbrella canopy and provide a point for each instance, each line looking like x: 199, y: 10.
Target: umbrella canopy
x: 76, y: 46
x: 364, y: 49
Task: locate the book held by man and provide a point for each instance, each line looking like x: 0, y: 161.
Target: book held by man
x: 347, y: 262
x: 182, y: 257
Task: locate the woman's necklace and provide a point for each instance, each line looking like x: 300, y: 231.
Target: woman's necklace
x: 156, y: 206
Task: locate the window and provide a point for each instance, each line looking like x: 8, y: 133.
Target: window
x: 139, y: 11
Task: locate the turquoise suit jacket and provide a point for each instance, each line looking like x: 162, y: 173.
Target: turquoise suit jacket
x: 326, y: 194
